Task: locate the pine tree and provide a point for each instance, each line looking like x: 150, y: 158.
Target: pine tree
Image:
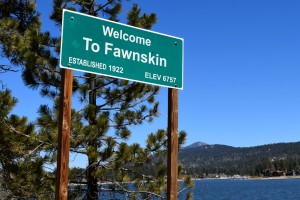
x: 21, y: 165
x: 131, y: 170
x: 99, y: 130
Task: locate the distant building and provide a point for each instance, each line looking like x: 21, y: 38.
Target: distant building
x: 278, y: 173
x: 291, y: 173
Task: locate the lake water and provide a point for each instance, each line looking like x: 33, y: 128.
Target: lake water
x: 282, y: 189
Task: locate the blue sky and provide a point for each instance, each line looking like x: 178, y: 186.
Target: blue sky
x: 241, y: 70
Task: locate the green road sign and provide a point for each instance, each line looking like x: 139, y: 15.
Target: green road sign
x: 99, y: 46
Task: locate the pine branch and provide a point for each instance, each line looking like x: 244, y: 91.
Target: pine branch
x: 164, y: 143
x: 124, y: 100
x: 6, y: 68
x: 85, y: 77
x: 137, y: 173
x: 51, y: 70
x: 117, y: 97
x: 119, y: 107
x: 32, y: 151
x: 106, y: 84
x: 102, y: 7
x: 128, y: 123
x: 182, y: 190
x: 132, y: 192
x: 74, y: 150
x: 20, y: 133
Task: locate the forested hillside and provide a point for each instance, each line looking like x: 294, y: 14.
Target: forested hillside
x: 255, y: 161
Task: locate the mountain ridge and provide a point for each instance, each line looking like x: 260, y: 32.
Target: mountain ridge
x: 196, y: 144
x: 216, y: 159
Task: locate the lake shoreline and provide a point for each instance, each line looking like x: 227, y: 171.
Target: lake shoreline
x: 274, y: 178
x: 250, y: 178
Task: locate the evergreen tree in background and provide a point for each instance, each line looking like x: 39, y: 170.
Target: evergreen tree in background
x: 22, y: 173
x: 110, y: 106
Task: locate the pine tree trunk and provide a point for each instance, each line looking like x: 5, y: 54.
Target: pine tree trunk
x: 93, y: 192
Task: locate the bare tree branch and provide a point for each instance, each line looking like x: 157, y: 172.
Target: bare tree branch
x: 7, y: 68
x: 102, y: 7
